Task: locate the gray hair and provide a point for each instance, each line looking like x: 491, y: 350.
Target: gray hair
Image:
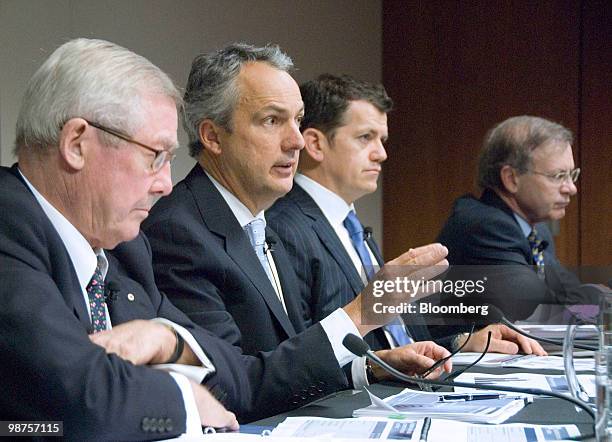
x: 212, y: 91
x: 512, y: 143
x: 92, y: 79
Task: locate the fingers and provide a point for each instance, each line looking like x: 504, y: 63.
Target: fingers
x: 534, y: 347
x: 527, y: 345
x: 212, y: 413
x: 502, y: 346
x: 430, y: 254
x: 231, y: 423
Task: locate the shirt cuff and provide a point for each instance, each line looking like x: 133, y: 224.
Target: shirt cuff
x: 359, y: 374
x: 193, y: 425
x: 336, y: 326
x: 197, y: 374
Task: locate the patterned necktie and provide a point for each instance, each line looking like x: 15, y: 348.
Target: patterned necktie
x: 256, y: 231
x: 352, y: 224
x: 97, y: 301
x: 537, y: 252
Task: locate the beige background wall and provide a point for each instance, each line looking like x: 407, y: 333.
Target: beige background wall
x: 338, y: 36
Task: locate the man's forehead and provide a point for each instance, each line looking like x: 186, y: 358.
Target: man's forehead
x: 259, y: 82
x: 553, y: 154
x: 364, y: 113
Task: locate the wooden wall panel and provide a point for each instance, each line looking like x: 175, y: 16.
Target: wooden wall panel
x: 454, y: 70
x: 596, y: 134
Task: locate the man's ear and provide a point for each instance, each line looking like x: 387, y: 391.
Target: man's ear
x: 509, y: 178
x: 74, y: 143
x: 209, y: 136
x: 315, y: 143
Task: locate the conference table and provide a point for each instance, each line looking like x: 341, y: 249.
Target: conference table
x: 542, y: 411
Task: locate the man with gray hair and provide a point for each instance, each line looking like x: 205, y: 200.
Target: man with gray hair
x: 528, y: 176
x: 214, y: 255
x: 82, y: 320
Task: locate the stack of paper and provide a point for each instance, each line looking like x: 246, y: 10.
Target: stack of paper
x: 368, y: 429
x: 558, y: 331
x: 556, y: 383
x: 483, y: 407
x: 529, y: 362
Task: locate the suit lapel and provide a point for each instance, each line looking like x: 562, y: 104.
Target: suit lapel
x: 288, y: 282
x: 327, y: 235
x: 220, y: 220
x: 61, y: 264
x: 490, y: 198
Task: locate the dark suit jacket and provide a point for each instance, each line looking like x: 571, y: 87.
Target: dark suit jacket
x: 484, y: 232
x: 326, y: 275
x: 204, y: 261
x: 50, y: 370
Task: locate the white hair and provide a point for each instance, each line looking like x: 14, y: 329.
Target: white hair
x: 92, y: 79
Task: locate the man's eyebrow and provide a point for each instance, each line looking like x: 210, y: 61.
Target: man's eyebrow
x: 278, y: 109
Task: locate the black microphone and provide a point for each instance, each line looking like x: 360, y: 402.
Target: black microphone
x: 270, y: 243
x: 110, y: 292
x: 542, y: 246
x: 367, y: 233
x: 496, y: 315
x: 359, y: 347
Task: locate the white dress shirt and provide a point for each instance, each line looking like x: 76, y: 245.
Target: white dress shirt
x: 338, y: 324
x: 335, y: 209
x: 84, y: 261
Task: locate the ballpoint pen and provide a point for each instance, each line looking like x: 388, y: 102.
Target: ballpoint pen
x: 425, y: 429
x: 474, y: 397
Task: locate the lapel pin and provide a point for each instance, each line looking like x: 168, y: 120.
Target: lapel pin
x: 130, y: 297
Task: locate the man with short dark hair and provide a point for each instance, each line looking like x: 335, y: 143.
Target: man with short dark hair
x: 345, y: 130
x: 528, y: 176
x: 214, y: 255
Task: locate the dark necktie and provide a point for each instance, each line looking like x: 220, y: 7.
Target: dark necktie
x: 537, y: 252
x: 97, y: 301
x: 352, y: 224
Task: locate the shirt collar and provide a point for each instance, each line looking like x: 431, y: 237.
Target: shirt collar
x: 331, y: 204
x: 240, y: 211
x: 83, y: 257
x: 525, y: 226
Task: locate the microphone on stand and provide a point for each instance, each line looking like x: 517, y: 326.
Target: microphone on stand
x: 110, y: 292
x: 270, y: 243
x: 359, y: 347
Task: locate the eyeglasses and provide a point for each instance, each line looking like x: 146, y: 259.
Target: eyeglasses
x: 562, y: 176
x: 161, y: 156
x: 443, y: 360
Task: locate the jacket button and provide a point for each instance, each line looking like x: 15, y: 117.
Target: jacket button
x: 146, y: 424
x: 169, y: 425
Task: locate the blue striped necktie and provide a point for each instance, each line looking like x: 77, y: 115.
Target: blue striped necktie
x: 256, y: 231
x: 352, y: 224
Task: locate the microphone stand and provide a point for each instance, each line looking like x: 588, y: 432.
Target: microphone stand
x: 352, y: 344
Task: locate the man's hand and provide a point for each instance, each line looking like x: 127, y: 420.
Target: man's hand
x: 142, y: 342
x: 212, y: 413
x: 418, y: 265
x: 503, y: 340
x: 413, y: 359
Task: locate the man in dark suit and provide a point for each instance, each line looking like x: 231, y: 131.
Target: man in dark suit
x: 213, y: 254
x: 528, y: 176
x: 345, y: 128
x: 72, y: 350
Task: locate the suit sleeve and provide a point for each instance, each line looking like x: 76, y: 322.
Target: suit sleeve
x: 52, y: 371
x: 493, y: 246
x: 278, y: 380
